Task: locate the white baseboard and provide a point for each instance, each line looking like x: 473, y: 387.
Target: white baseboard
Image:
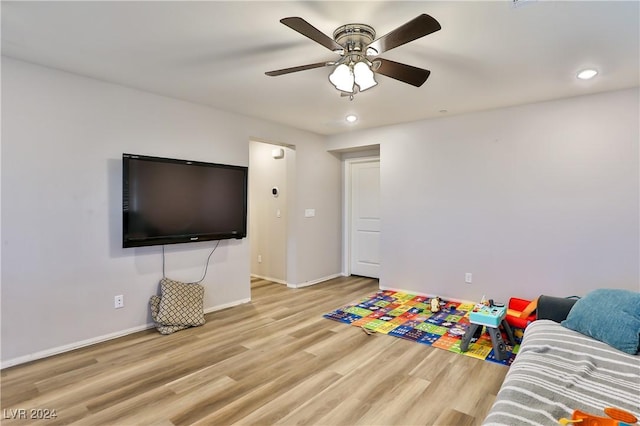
x: 76, y: 345
x: 313, y: 282
x: 300, y: 285
x: 275, y: 280
x: 227, y: 305
x: 443, y: 297
x: 88, y: 342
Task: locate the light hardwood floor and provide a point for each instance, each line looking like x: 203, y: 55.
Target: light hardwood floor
x: 272, y: 361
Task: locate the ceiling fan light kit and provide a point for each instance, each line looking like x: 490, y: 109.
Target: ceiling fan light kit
x: 345, y: 77
x: 354, y: 71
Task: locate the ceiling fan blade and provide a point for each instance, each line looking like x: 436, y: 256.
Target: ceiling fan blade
x: 308, y: 30
x: 402, y: 72
x: 412, y: 30
x: 296, y: 69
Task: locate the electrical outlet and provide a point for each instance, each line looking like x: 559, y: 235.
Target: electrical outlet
x: 467, y: 277
x: 259, y: 258
x: 118, y: 301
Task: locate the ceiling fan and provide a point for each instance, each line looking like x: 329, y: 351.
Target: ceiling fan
x: 358, y: 48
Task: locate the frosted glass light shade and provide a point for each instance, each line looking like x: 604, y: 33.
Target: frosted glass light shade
x: 363, y: 76
x: 342, y: 78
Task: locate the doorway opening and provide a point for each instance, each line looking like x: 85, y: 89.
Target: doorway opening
x: 270, y: 171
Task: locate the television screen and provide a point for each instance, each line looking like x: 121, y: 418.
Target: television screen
x: 166, y: 201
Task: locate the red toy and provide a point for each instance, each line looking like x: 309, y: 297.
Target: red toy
x: 520, y: 312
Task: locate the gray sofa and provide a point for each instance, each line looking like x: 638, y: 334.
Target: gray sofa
x: 559, y: 370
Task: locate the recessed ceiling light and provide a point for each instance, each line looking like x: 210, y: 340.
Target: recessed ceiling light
x: 587, y: 74
x: 351, y: 118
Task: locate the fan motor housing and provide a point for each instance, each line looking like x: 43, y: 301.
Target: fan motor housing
x: 354, y: 37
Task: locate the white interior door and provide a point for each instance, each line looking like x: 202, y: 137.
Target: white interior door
x: 365, y: 219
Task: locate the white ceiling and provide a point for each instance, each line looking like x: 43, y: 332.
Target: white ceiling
x: 489, y: 54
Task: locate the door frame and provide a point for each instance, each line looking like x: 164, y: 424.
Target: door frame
x: 347, y: 211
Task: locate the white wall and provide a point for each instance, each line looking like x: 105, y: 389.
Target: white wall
x: 269, y: 215
x: 537, y: 199
x: 317, y: 182
x: 62, y: 262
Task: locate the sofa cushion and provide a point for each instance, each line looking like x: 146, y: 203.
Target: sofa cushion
x: 554, y: 308
x: 609, y: 315
x: 180, y: 303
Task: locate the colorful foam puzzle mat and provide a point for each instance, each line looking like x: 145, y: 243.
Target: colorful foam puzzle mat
x: 409, y: 316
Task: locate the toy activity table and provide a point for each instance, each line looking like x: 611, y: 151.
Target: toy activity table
x: 491, y: 317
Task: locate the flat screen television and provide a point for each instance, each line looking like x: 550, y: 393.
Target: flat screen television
x: 168, y: 201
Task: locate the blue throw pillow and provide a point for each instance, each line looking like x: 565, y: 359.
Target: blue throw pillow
x: 609, y: 315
